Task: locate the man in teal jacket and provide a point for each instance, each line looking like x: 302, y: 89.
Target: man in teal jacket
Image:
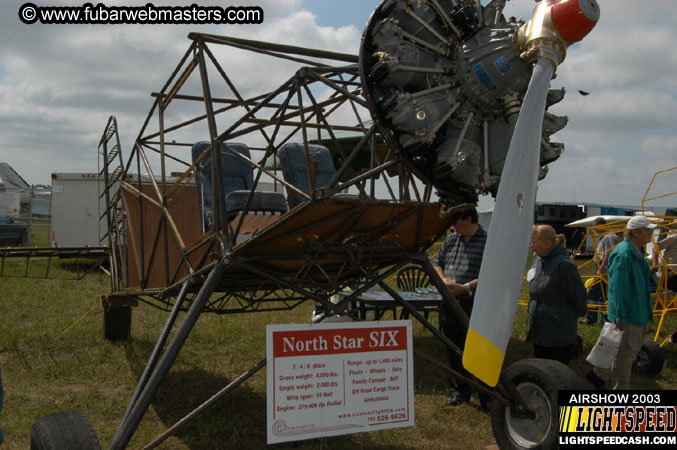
x: 630, y: 305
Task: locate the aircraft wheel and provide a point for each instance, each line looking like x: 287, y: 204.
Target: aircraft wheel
x: 650, y: 359
x: 65, y: 430
x: 538, y: 381
x: 117, y: 323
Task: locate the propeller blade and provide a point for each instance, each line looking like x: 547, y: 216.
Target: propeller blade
x: 507, y: 246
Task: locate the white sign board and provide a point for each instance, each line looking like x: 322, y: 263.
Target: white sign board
x: 338, y: 378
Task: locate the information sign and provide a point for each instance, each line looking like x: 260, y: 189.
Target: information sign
x: 338, y: 378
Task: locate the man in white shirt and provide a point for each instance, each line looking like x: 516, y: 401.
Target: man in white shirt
x: 668, y: 246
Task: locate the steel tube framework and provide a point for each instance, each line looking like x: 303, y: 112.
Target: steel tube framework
x: 162, y: 254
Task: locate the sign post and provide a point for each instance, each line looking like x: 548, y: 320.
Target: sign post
x: 338, y: 378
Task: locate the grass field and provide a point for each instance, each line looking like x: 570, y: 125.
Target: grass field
x: 54, y: 358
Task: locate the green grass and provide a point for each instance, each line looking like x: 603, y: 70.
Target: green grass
x: 54, y: 358
x: 45, y: 267
x: 41, y: 233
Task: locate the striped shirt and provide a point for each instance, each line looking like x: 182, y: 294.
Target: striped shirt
x: 461, y: 260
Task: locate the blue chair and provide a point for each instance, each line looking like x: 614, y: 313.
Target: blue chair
x: 293, y: 163
x: 238, y: 181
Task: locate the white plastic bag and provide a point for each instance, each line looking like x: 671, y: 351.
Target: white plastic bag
x: 606, y: 347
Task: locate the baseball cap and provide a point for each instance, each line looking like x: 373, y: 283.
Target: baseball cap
x: 638, y: 222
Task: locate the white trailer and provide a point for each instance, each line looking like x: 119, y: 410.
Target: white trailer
x: 76, y: 209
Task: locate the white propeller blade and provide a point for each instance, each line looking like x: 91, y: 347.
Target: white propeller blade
x: 507, y: 245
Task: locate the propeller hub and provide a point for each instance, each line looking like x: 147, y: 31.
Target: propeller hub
x: 556, y: 24
x: 574, y: 19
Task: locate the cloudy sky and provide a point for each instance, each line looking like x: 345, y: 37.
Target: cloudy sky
x: 59, y: 84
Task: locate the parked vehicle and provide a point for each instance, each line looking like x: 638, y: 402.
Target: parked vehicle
x: 13, y: 232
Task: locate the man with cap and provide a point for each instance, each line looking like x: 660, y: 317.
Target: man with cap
x: 630, y: 304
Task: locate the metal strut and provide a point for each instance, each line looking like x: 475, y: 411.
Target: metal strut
x: 213, y: 399
x: 157, y: 351
x: 128, y: 426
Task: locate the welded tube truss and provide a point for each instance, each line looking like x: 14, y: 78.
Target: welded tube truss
x: 266, y: 285
x: 315, y: 104
x: 112, y: 171
x: 274, y: 290
x: 21, y: 262
x: 159, y: 363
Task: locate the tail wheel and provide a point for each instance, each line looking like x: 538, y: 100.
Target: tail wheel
x: 538, y: 382
x: 650, y: 359
x: 65, y: 430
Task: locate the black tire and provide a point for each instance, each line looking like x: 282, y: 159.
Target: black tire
x: 65, y: 430
x: 650, y: 359
x: 117, y: 323
x: 538, y: 381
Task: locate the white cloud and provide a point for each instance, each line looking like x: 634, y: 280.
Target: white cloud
x: 661, y: 147
x: 59, y: 83
x: 621, y: 133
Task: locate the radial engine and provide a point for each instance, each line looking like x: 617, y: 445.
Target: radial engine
x: 445, y: 80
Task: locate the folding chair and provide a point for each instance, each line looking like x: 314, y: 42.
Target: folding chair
x: 409, y: 279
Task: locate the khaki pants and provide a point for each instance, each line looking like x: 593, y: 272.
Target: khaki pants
x: 631, y: 344
x: 621, y: 368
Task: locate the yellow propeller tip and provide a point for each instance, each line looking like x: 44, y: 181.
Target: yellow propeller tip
x: 482, y: 358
